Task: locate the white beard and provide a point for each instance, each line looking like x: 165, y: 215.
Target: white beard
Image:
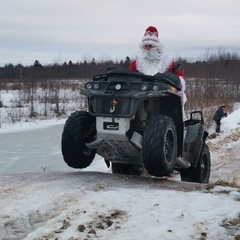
x: 147, y: 66
x: 149, y: 62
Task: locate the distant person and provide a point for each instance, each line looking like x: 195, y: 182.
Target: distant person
x: 151, y: 59
x: 221, y: 112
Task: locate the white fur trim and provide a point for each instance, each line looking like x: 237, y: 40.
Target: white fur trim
x: 182, y: 92
x: 150, y: 39
x: 183, y: 97
x: 183, y: 83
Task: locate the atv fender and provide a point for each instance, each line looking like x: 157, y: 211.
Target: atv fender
x: 193, y: 143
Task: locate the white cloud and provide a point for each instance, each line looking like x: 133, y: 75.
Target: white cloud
x: 28, y: 28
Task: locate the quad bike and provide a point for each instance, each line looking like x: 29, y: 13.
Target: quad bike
x: 135, y: 122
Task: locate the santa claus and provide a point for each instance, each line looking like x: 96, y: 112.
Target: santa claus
x: 152, y: 60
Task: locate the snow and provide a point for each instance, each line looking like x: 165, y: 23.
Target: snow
x: 95, y: 204
x: 28, y: 126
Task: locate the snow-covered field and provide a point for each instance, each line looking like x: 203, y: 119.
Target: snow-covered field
x: 95, y: 204
x: 28, y: 104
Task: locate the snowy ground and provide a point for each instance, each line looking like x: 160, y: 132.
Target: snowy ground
x: 67, y: 204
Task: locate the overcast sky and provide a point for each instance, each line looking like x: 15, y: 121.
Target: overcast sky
x: 61, y: 30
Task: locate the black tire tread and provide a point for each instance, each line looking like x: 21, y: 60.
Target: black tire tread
x: 75, y: 129
x: 153, y: 146
x: 130, y: 169
x: 195, y: 174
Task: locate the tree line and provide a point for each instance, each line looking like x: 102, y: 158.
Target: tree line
x: 209, y: 82
x: 70, y: 70
x: 214, y: 66
x: 220, y: 65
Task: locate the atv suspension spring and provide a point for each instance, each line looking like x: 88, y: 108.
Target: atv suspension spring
x: 142, y: 113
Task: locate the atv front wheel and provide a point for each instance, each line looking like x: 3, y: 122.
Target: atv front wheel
x: 78, y: 129
x: 160, y: 146
x: 201, y: 173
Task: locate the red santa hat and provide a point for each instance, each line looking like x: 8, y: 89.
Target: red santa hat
x: 150, y: 37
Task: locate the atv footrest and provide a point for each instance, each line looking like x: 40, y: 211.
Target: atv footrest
x: 182, y: 163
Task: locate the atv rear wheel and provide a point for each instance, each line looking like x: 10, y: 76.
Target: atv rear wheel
x: 130, y: 169
x: 160, y: 146
x: 201, y: 173
x: 78, y: 129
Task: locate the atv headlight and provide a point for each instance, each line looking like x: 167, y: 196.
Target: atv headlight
x: 155, y: 88
x: 88, y: 85
x: 118, y: 86
x: 96, y: 86
x: 144, y: 87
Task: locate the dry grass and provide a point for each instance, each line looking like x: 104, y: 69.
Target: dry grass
x: 233, y: 225
x: 232, y: 184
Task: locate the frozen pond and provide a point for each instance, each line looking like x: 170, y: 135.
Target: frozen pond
x: 35, y: 151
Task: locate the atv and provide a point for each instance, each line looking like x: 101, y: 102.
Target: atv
x: 135, y: 122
